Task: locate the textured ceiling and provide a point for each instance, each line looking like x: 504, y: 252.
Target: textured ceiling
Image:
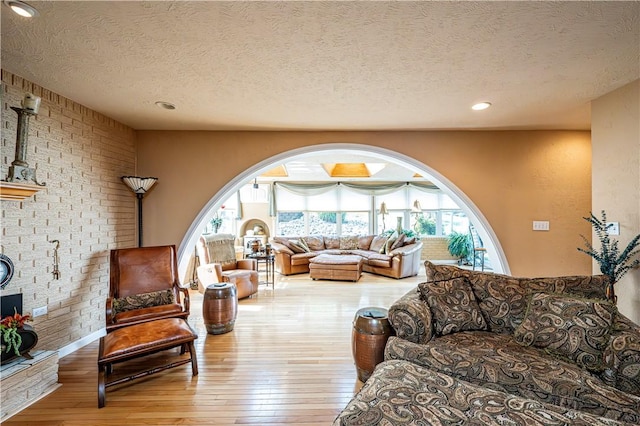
x: 329, y: 65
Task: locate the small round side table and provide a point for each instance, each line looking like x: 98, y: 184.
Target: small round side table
x: 371, y: 330
x: 220, y: 307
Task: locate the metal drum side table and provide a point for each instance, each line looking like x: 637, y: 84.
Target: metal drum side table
x: 371, y: 330
x: 220, y: 307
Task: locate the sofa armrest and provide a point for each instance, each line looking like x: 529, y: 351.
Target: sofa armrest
x: 622, y: 356
x: 411, y: 318
x: 407, y: 250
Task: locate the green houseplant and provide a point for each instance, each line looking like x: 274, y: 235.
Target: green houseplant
x: 9, y: 327
x: 460, y: 245
x: 613, y: 263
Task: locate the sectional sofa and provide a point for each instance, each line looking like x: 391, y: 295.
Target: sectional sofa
x: 483, y: 348
x: 391, y: 256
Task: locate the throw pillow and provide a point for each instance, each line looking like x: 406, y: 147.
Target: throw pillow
x: 349, y: 242
x: 398, y: 243
x: 298, y: 246
x: 143, y: 300
x: 378, y: 242
x: 453, y: 306
x: 392, y: 239
x: 571, y: 328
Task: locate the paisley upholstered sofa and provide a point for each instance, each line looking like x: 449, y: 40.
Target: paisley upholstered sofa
x: 483, y: 348
x: 392, y: 256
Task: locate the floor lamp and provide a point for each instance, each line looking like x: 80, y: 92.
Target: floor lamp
x: 140, y: 186
x: 383, y: 213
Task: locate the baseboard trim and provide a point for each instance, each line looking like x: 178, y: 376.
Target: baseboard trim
x: 72, y: 347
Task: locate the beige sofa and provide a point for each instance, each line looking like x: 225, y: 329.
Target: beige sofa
x: 397, y: 257
x: 486, y: 345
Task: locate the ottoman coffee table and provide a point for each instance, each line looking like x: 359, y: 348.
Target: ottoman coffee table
x: 336, y: 267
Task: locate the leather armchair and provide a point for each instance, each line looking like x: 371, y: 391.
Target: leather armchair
x: 136, y: 273
x: 217, y: 252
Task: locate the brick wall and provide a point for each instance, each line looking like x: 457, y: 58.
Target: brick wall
x: 435, y: 248
x: 80, y: 154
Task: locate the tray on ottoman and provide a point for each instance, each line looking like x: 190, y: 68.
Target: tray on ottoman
x: 336, y: 267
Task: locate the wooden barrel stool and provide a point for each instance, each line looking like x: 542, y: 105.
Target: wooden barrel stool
x: 371, y: 330
x: 220, y: 307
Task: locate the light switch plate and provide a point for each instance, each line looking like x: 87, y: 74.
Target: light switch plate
x: 540, y: 225
x: 613, y: 228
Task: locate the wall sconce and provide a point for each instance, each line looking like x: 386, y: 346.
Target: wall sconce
x: 383, y: 213
x: 140, y: 186
x: 19, y: 171
x: 416, y: 210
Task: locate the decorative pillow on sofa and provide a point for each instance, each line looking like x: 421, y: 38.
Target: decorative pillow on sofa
x: 392, y: 239
x: 453, y: 306
x: 378, y: 243
x: 572, y: 328
x: 349, y: 242
x: 298, y: 246
x: 143, y: 300
x: 397, y: 243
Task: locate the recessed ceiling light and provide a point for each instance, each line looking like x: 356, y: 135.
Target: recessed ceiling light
x: 22, y: 8
x: 165, y: 105
x: 480, y: 106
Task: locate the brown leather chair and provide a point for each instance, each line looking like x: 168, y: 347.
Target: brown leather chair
x: 218, y: 256
x: 144, y: 286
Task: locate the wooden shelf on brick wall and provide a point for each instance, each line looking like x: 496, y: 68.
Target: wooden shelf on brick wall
x: 17, y: 191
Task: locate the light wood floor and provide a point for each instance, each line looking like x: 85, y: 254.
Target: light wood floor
x: 287, y: 361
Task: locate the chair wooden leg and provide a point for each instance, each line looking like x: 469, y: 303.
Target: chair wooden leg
x: 194, y: 361
x: 101, y: 386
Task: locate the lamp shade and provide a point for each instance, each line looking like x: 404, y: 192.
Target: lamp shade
x: 417, y: 208
x: 383, y: 208
x: 139, y: 185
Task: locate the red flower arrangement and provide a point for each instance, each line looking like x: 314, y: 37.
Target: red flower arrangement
x: 9, y: 327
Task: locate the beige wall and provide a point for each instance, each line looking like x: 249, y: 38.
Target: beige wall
x: 81, y: 155
x: 616, y: 176
x: 513, y: 177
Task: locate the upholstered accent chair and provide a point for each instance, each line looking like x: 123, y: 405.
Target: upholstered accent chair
x: 219, y: 264
x: 144, y: 286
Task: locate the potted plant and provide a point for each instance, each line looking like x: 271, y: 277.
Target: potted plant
x: 460, y: 246
x: 10, y: 327
x: 613, y: 263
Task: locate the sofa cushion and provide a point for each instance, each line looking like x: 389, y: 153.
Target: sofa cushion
x: 364, y: 242
x: 349, y: 242
x: 314, y: 242
x: 302, y: 258
x: 498, y: 362
x: 378, y: 242
x: 377, y: 259
x: 298, y: 246
x: 453, y: 306
x: 143, y: 300
x: 572, y: 328
x: 332, y: 242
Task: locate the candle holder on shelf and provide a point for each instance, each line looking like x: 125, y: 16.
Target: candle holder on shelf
x: 19, y: 171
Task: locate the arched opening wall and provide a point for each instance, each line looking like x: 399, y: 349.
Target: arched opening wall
x: 494, y: 249
x: 506, y: 180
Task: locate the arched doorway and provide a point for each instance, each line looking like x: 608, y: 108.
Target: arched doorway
x: 494, y: 249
